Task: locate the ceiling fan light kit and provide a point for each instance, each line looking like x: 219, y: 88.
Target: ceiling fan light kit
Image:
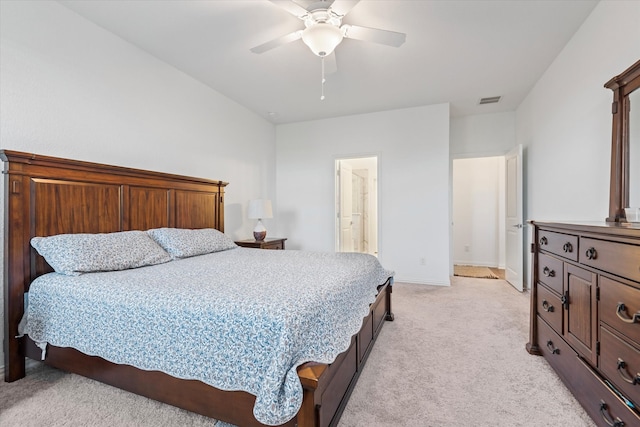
x: 322, y: 38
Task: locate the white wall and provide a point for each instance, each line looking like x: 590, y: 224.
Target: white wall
x: 478, y: 211
x: 483, y: 135
x: 564, y: 124
x: 71, y: 89
x: 413, y: 183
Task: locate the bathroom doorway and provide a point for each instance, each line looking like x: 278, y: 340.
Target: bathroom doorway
x: 357, y: 204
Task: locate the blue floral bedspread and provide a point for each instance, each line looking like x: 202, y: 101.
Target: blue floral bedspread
x: 241, y: 319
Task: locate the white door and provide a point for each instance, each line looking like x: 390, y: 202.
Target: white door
x: 345, y: 178
x: 514, y: 228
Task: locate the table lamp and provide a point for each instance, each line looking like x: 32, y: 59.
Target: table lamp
x: 259, y: 209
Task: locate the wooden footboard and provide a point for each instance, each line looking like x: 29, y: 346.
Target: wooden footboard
x: 326, y: 387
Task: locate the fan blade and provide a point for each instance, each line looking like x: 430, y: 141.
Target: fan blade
x: 390, y: 38
x: 291, y: 37
x: 330, y: 64
x: 342, y: 7
x: 291, y: 7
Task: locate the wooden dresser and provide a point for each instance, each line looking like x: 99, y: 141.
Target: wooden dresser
x: 585, y: 314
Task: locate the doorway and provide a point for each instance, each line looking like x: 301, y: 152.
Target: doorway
x: 487, y: 214
x: 357, y: 204
x: 478, y: 212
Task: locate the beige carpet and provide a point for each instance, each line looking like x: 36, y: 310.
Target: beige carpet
x: 473, y: 271
x: 454, y: 356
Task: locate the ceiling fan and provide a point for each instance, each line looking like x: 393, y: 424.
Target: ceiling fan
x: 324, y: 31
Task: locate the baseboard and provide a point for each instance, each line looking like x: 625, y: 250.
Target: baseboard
x: 422, y: 282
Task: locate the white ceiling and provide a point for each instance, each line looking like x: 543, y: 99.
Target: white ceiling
x: 455, y: 51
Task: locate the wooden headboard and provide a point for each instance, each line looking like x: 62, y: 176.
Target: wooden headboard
x: 48, y: 195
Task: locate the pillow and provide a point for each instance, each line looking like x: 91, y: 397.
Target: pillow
x: 184, y: 243
x: 73, y: 254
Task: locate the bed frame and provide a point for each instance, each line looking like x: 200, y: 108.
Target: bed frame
x: 47, y: 195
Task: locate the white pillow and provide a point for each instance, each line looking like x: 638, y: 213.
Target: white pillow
x: 73, y: 254
x: 184, y: 242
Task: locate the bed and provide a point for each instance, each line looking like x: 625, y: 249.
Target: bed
x: 46, y: 196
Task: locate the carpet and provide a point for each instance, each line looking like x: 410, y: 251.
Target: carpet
x: 454, y: 356
x: 473, y: 271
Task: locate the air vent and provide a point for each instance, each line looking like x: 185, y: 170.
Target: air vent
x: 489, y: 100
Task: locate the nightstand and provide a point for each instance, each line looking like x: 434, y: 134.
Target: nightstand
x: 268, y: 243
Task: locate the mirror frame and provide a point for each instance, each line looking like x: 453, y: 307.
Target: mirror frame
x: 621, y: 85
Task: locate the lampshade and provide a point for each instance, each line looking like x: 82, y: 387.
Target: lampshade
x: 322, y: 38
x: 260, y: 208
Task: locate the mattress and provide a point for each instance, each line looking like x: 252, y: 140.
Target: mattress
x: 240, y: 319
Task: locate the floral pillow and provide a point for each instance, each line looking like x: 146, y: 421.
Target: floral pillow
x: 184, y: 242
x: 74, y: 254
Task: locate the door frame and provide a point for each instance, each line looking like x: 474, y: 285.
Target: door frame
x: 344, y: 206
x: 377, y: 204
x: 501, y: 153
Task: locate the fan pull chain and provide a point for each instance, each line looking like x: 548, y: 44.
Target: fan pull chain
x: 322, y: 81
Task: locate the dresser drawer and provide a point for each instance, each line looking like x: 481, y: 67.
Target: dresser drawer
x: 600, y: 402
x: 273, y: 245
x: 619, y: 307
x: 268, y: 243
x: 550, y: 272
x: 620, y: 362
x: 620, y: 259
x: 550, y: 308
x: 565, y: 245
x: 557, y: 352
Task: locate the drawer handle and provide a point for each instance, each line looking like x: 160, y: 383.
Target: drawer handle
x: 591, y: 253
x: 547, y: 307
x: 622, y: 365
x: 567, y: 247
x: 622, y: 308
x: 543, y: 241
x: 607, y: 418
x: 565, y: 300
x: 548, y: 272
x: 552, y: 348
